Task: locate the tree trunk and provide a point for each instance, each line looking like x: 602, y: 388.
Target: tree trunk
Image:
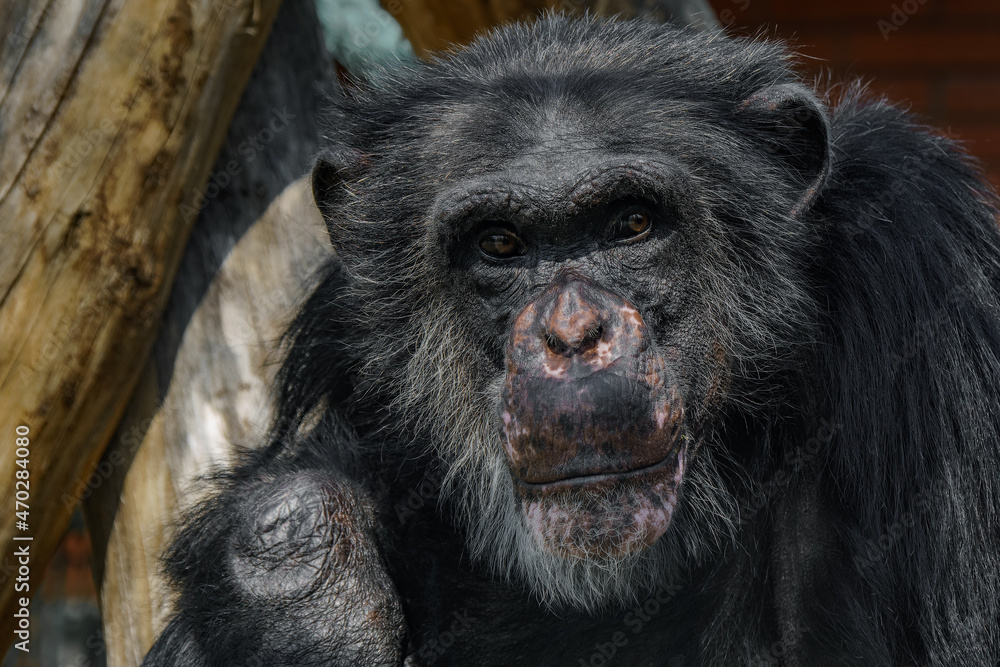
x: 110, y: 115
x: 206, y: 388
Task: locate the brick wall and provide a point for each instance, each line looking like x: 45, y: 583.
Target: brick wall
x: 940, y: 57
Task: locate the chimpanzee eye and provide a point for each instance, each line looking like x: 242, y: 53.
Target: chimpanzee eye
x: 638, y: 222
x: 501, y: 243
x: 635, y: 222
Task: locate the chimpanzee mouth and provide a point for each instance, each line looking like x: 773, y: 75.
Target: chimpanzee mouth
x: 604, y: 516
x: 595, y: 430
x: 593, y: 482
x: 597, y: 462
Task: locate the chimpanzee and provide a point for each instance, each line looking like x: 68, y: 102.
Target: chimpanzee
x: 634, y: 351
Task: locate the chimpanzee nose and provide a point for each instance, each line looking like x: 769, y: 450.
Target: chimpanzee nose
x: 575, y: 323
x: 573, y: 328
x: 581, y: 320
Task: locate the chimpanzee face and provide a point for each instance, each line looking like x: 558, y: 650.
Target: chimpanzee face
x: 584, y: 269
x: 564, y: 278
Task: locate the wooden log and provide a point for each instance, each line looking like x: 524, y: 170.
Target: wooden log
x: 218, y: 398
x: 111, y: 112
x: 206, y: 387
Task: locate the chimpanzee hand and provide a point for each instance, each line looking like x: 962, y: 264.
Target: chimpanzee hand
x: 297, y: 579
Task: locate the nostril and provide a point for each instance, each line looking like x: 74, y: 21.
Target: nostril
x: 590, y: 339
x: 556, y: 344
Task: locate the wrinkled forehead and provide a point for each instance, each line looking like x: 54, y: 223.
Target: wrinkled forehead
x: 551, y: 126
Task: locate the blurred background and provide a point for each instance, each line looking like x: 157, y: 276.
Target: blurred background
x: 941, y: 58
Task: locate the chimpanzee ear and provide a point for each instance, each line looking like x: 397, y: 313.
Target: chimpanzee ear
x: 793, y: 127
x: 333, y: 167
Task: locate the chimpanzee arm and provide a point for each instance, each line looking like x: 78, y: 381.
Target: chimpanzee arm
x: 282, y: 570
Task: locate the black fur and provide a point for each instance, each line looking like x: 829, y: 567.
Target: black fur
x: 831, y: 277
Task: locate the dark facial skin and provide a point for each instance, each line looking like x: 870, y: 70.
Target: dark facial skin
x: 585, y: 396
x: 590, y: 406
x: 566, y: 220
x: 592, y: 395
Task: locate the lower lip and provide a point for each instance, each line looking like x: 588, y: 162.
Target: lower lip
x: 604, y: 480
x: 560, y: 525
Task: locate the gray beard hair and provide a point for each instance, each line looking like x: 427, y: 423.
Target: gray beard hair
x: 441, y: 394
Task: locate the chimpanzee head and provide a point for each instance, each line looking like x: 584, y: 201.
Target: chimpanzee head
x: 576, y: 252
